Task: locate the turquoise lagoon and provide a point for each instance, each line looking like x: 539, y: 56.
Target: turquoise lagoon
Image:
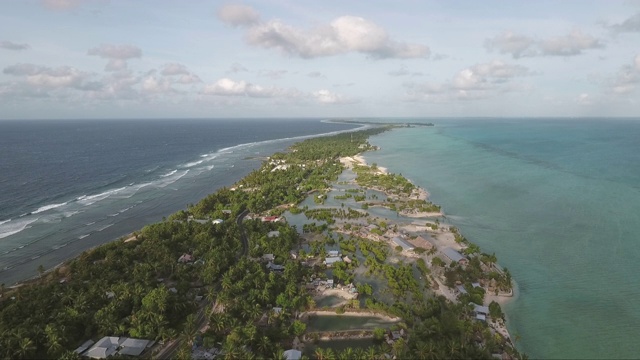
x: 558, y: 201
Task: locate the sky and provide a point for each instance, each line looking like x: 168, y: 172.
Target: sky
x: 87, y: 59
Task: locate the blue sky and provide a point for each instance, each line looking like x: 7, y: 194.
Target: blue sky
x: 285, y: 58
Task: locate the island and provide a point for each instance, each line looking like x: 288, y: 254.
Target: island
x: 315, y: 255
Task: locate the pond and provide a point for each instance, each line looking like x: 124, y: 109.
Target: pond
x: 346, y: 322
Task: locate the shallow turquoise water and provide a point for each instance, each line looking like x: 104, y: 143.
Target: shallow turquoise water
x: 559, y: 204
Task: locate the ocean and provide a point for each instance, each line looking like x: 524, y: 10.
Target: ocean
x: 558, y: 201
x: 67, y: 186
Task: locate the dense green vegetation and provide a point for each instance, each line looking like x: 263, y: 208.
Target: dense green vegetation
x: 138, y: 288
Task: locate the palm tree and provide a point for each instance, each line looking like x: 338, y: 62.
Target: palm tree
x: 25, y: 349
x: 320, y: 354
x: 54, y: 341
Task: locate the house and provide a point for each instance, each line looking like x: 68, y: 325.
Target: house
x: 226, y: 212
x: 331, y: 260
x: 112, y: 345
x: 422, y: 242
x: 292, y: 354
x: 455, y: 256
x: 133, y: 347
x: 333, y: 253
x: 104, y: 348
x: 217, y: 221
x: 404, y: 244
x: 271, y: 219
x: 476, y: 284
x: 276, y: 310
x: 461, y: 289
x: 346, y: 260
x: 274, y: 233
x: 268, y: 257
x: 185, y: 258
x: 479, y: 309
x: 82, y: 348
x: 293, y: 254
x: 330, y: 283
x: 274, y: 267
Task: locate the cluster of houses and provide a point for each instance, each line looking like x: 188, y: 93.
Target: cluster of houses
x: 113, y: 346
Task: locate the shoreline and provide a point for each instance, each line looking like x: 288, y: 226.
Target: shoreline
x: 443, y: 239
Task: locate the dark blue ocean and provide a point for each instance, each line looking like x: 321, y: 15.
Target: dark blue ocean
x: 66, y: 186
x: 558, y: 201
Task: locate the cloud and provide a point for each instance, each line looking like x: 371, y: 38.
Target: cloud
x: 343, y: 35
x: 572, y: 44
x: 510, y: 43
x: 631, y: 24
x: 238, y: 15
x: 8, y: 45
x: 46, y: 77
x: 403, y: 71
x: 627, y: 78
x: 119, y: 52
x: 61, y: 4
x: 475, y: 82
x: 179, y: 74
x: 188, y: 79
x: 157, y: 85
x: 327, y: 97
x: 228, y: 87
x: 519, y: 46
x: 174, y: 69
x: 116, y: 54
x: 584, y: 99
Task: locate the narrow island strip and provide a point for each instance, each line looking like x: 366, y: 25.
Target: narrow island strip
x: 314, y: 248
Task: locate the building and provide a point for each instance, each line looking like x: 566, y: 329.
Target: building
x: 330, y: 283
x: 405, y: 245
x: 292, y: 354
x: 274, y: 233
x: 217, y: 221
x: 455, y: 256
x: 274, y: 267
x: 333, y: 253
x: 271, y: 219
x: 331, y: 260
x: 113, y: 345
x: 268, y: 257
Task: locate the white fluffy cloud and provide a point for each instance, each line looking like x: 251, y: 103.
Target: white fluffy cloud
x: 116, y: 54
x: 518, y: 46
x: 343, y: 35
x: 475, y: 82
x: 9, y: 45
x: 238, y: 15
x: 228, y: 87
x: 49, y: 78
x: 327, y: 97
x: 179, y: 73
x: 174, y: 69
